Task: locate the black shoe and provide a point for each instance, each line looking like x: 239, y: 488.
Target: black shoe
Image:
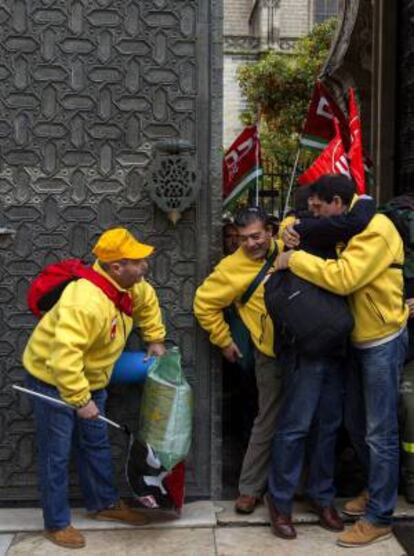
x: 329, y: 518
x: 281, y: 524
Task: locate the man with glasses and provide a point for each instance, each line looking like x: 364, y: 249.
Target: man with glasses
x: 225, y: 286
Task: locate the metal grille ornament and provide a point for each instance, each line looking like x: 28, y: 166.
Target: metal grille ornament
x: 172, y: 181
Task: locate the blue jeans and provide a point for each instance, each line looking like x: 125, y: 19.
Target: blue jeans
x: 311, y: 411
x: 58, y: 429
x: 371, y: 417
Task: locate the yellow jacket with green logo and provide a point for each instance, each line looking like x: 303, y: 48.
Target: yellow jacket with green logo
x: 76, y: 344
x: 225, y: 285
x: 363, y: 272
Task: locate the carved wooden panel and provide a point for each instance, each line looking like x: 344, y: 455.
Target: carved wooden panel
x: 86, y: 88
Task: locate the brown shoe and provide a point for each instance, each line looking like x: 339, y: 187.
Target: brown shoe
x: 362, y: 533
x: 69, y: 537
x: 358, y: 505
x: 281, y: 524
x: 121, y: 512
x: 328, y: 517
x: 246, y: 504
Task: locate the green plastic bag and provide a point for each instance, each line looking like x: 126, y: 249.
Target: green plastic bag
x: 165, y: 420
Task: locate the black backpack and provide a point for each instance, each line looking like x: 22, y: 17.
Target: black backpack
x: 316, y: 321
x: 400, y: 211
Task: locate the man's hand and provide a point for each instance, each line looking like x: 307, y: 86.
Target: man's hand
x: 155, y: 349
x: 410, y: 303
x: 282, y: 260
x: 232, y: 353
x: 88, y: 411
x: 290, y: 237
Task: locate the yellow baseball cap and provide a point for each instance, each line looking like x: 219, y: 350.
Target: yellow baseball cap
x: 119, y: 243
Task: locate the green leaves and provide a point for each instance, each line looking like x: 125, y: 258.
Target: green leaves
x: 279, y: 87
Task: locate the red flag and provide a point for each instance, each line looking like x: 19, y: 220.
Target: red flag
x: 332, y: 160
x: 319, y: 126
x: 242, y: 164
x: 355, y: 154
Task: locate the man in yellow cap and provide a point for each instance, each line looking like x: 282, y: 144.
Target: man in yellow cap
x: 70, y: 355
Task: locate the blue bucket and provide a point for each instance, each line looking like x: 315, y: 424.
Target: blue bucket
x: 131, y: 368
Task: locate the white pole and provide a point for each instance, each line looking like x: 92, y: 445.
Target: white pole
x: 61, y: 402
x: 257, y: 155
x: 292, y: 179
x: 257, y: 174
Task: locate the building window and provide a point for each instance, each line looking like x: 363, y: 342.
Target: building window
x: 323, y: 9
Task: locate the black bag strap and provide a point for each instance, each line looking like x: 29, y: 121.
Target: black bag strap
x: 260, y: 276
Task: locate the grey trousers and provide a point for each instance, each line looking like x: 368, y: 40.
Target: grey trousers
x: 256, y: 462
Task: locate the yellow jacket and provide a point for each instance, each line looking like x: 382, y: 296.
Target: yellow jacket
x: 363, y: 272
x: 76, y: 344
x: 225, y: 285
x: 287, y: 221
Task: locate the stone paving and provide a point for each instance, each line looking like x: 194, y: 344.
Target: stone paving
x: 205, y: 529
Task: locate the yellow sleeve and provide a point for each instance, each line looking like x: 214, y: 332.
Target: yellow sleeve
x: 280, y: 245
x: 214, y: 294
x: 288, y: 221
x: 147, y: 313
x: 75, y: 331
x: 363, y: 260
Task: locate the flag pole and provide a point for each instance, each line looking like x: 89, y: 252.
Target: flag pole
x: 292, y: 179
x: 257, y: 153
x: 257, y: 176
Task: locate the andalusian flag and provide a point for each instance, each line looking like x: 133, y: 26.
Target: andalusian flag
x: 326, y: 128
x: 319, y: 127
x: 332, y: 160
x: 355, y: 153
x: 242, y: 166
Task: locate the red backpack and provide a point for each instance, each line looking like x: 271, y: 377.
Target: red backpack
x: 47, y: 287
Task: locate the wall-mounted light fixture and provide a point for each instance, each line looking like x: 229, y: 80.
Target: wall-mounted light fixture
x: 172, y: 180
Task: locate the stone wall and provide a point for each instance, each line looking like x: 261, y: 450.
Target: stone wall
x: 233, y: 101
x: 236, y: 17
x: 295, y: 18
x: 269, y: 27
